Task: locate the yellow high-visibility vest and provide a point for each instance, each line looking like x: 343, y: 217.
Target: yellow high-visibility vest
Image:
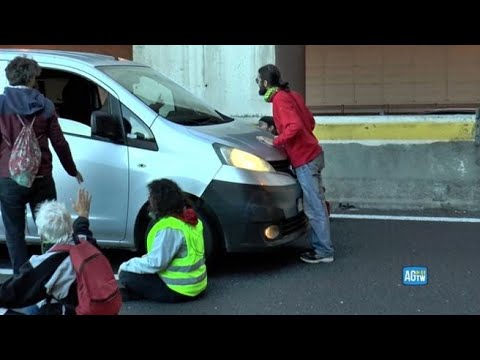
x: 186, y: 275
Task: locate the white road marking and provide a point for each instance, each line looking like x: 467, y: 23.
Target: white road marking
x: 407, y: 218
x: 383, y: 119
x: 10, y: 272
x: 384, y: 142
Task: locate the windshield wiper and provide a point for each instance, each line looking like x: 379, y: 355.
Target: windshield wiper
x: 224, y: 117
x: 208, y: 121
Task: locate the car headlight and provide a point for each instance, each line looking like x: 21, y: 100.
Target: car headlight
x: 242, y: 159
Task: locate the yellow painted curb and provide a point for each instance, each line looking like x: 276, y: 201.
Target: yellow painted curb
x: 454, y: 131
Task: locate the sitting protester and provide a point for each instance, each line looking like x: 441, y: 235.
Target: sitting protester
x: 173, y: 270
x: 49, y: 280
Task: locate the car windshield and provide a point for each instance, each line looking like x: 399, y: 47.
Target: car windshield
x: 164, y: 96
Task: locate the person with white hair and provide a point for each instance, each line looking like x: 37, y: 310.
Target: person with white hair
x: 49, y: 280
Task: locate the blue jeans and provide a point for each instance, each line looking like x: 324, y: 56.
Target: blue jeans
x: 310, y: 178
x: 13, y: 201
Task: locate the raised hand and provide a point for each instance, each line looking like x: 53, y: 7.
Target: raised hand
x: 82, y: 204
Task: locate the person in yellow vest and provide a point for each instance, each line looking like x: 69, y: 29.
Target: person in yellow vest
x: 173, y: 269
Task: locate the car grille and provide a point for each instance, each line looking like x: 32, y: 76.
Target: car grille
x: 293, y: 224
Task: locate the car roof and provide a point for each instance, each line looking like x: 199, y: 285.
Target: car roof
x: 59, y: 56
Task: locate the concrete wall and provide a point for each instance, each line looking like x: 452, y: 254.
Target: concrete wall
x: 223, y: 75
x: 401, y: 162
x: 290, y: 59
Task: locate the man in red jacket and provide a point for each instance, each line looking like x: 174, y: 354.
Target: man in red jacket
x: 295, y: 124
x: 21, y: 99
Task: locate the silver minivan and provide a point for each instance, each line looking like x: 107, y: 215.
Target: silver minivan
x: 128, y: 125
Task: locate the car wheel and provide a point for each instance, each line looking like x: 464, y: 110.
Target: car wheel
x: 141, y: 225
x: 210, y: 235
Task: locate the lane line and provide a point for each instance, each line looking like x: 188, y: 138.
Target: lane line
x: 10, y: 272
x: 407, y: 218
x: 393, y: 119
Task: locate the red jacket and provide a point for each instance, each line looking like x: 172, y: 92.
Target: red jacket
x: 29, y: 103
x: 295, y: 124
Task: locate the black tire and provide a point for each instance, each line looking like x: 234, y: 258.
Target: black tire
x: 140, y: 231
x: 212, y: 240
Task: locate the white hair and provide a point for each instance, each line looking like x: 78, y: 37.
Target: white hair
x: 54, y: 222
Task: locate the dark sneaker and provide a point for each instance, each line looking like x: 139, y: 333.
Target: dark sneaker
x: 312, y: 258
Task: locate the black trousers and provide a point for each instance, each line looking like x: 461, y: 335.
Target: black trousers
x: 13, y: 200
x: 149, y: 287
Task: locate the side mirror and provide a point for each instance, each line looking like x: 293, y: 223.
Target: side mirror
x: 105, y: 126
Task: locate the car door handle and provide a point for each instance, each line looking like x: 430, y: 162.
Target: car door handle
x: 142, y: 165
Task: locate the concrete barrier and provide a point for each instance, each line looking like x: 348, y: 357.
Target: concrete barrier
x: 401, y: 162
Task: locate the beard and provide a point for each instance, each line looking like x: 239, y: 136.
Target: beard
x: 262, y: 90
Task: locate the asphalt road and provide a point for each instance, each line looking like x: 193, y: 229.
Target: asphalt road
x: 366, y: 277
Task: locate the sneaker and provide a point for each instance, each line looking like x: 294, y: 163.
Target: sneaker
x: 312, y: 258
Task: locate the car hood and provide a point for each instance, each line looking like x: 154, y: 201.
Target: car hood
x: 242, y: 136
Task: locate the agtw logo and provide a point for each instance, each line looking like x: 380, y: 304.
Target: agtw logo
x: 415, y: 275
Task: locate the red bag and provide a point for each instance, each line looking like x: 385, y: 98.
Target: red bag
x: 97, y: 289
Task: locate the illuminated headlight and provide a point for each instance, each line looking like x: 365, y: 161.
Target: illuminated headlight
x: 242, y: 159
x: 272, y: 232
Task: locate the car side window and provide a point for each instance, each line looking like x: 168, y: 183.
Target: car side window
x: 137, y: 133
x: 75, y: 99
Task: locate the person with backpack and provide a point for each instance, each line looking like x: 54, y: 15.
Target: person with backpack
x: 72, y: 276
x: 173, y: 269
x: 27, y: 121
x: 295, y: 124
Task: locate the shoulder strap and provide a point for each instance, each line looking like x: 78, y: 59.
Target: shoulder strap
x: 23, y: 123
x: 77, y: 239
x: 19, y: 118
x: 62, y: 247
